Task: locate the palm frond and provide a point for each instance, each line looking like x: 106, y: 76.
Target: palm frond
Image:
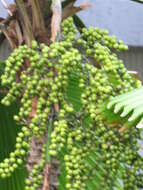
x: 126, y: 108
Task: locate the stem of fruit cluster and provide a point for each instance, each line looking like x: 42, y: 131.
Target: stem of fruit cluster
x: 55, y: 30
x: 46, y: 183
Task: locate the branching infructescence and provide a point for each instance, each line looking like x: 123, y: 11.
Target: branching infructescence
x: 101, y: 75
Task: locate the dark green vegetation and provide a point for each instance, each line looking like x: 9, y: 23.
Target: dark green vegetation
x: 138, y: 1
x: 69, y: 81
x: 8, y: 131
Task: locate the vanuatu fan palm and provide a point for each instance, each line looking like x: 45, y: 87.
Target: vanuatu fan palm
x: 61, y: 80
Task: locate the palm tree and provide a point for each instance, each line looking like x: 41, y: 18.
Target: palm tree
x: 60, y: 82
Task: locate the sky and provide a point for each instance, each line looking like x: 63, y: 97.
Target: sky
x: 123, y: 18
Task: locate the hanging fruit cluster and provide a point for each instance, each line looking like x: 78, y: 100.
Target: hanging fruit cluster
x: 91, y: 153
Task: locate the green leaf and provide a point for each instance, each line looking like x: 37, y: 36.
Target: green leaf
x: 126, y: 108
x: 8, y: 133
x: 74, y: 92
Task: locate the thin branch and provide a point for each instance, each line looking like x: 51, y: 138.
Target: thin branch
x: 123, y: 129
x: 47, y: 170
x: 55, y: 29
x: 46, y: 184
x: 6, y: 7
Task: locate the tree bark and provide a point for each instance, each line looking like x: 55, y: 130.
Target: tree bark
x: 25, y: 21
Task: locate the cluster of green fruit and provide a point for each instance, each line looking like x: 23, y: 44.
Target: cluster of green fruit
x: 35, y: 178
x: 39, y: 77
x: 16, y: 158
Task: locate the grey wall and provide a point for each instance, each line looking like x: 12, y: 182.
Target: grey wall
x: 123, y: 18
x: 133, y: 59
